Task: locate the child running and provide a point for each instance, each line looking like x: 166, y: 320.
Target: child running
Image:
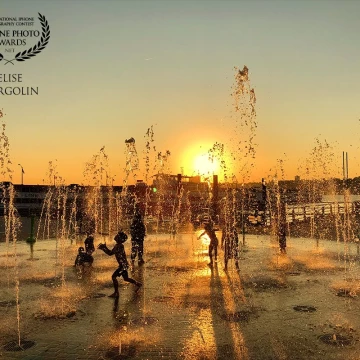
x: 120, y: 255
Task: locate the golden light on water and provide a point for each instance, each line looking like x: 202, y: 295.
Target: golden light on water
x: 209, y: 302
x: 204, y: 239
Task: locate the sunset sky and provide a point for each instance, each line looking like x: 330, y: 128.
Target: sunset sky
x: 113, y: 69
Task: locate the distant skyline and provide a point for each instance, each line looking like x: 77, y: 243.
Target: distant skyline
x: 114, y: 69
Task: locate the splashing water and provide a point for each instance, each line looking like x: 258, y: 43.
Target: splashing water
x: 244, y: 101
x: 128, y: 200
x: 242, y: 149
x: 149, y: 147
x: 217, y: 152
x: 318, y: 166
x: 73, y: 197
x: 96, y: 174
x: 162, y: 205
x: 11, y: 217
x: 47, y: 210
x: 176, y: 212
x: 58, y: 219
x: 5, y: 165
x: 132, y: 161
x: 276, y: 201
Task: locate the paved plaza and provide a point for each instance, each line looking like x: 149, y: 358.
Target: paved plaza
x: 302, y: 305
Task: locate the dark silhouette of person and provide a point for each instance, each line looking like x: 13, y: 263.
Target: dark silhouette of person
x: 138, y: 233
x: 282, y: 239
x: 80, y: 257
x: 120, y: 255
x: 214, y: 242
x: 230, y: 243
x: 85, y: 255
x: 89, y: 245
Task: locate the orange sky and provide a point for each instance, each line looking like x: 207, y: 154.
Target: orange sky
x: 111, y: 72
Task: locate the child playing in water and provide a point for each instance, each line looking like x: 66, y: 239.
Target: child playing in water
x: 89, y: 245
x: 80, y: 257
x: 138, y: 233
x: 85, y: 255
x: 210, y: 232
x: 120, y: 255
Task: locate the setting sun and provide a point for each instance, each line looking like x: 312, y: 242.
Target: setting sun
x: 201, y: 159
x: 205, y: 166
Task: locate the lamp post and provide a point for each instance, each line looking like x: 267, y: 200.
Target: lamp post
x: 22, y: 174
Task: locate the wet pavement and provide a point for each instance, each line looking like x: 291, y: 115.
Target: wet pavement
x: 302, y: 305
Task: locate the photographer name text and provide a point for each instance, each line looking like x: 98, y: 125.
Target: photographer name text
x: 6, y: 88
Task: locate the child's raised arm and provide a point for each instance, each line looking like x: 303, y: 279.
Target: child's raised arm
x: 105, y: 249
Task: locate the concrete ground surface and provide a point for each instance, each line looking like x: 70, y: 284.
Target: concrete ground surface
x: 301, y: 305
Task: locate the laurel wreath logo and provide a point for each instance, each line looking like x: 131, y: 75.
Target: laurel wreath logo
x: 37, y: 48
